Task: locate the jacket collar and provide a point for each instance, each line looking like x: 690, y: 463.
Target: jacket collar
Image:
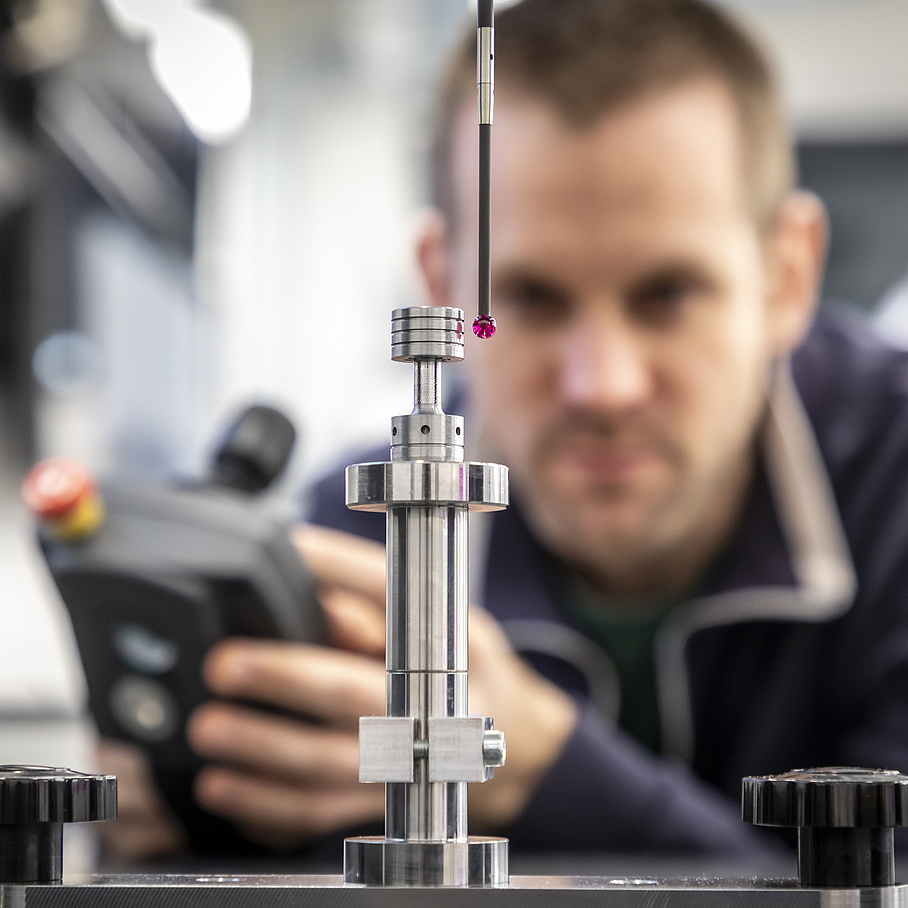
x: 790, y: 558
x: 819, y: 583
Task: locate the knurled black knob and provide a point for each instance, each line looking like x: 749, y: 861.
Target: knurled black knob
x: 35, y: 802
x: 845, y: 817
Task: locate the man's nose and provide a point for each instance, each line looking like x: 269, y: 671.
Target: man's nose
x: 605, y: 366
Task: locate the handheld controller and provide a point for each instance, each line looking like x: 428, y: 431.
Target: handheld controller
x: 153, y: 577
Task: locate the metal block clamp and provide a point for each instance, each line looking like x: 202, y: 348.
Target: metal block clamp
x: 427, y: 747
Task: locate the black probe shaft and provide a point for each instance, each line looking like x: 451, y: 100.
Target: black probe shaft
x: 485, y: 218
x: 485, y: 47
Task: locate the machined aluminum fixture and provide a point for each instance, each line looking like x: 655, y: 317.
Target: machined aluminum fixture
x: 427, y: 747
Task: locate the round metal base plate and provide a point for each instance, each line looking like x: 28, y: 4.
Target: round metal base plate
x: 375, y: 861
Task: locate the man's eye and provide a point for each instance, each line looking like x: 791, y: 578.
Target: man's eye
x: 529, y: 297
x: 667, y: 292
x: 665, y: 298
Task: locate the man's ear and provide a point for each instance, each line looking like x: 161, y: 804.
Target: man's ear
x: 433, y: 258
x: 796, y: 254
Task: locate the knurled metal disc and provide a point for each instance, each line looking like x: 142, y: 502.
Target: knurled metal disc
x: 841, y: 797
x: 427, y: 332
x: 45, y: 794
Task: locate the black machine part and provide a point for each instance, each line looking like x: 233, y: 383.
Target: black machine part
x: 254, y: 451
x: 35, y: 802
x: 845, y: 817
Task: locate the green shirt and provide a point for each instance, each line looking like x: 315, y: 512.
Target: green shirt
x: 628, y: 636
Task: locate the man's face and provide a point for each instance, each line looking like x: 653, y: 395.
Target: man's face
x: 629, y: 283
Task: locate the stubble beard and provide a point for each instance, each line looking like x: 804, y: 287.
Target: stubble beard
x: 639, y: 536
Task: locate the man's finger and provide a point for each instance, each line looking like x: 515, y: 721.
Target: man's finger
x: 274, y: 746
x: 340, y: 559
x: 334, y: 686
x: 286, y: 809
x: 354, y: 622
x: 144, y: 826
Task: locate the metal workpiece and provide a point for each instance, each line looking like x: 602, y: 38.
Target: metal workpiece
x: 427, y: 748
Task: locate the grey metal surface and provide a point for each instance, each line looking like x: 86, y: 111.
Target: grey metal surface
x: 428, y: 692
x: 386, y: 748
x: 375, y: 486
x: 427, y: 643
x: 427, y: 593
x: 427, y: 332
x: 278, y: 891
x: 464, y: 748
x: 485, y: 72
x: 478, y: 861
x: 427, y: 436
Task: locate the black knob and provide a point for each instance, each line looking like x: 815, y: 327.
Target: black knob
x: 35, y: 802
x: 255, y: 449
x: 845, y: 819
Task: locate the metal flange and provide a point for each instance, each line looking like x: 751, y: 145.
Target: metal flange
x: 376, y: 486
x: 477, y: 861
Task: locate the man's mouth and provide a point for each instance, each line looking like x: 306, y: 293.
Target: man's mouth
x: 603, y: 459
x: 606, y: 461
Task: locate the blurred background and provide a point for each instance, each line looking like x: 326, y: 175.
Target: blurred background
x: 208, y: 204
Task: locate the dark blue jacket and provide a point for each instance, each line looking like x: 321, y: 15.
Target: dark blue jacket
x: 795, y: 656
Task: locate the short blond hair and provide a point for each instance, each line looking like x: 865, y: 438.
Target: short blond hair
x: 587, y: 57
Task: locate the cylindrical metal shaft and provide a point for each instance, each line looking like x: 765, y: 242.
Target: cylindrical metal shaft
x: 426, y: 386
x: 427, y: 589
x: 426, y: 657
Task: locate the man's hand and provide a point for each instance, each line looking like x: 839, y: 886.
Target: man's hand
x: 285, y: 779
x: 145, y: 827
x: 535, y: 715
x: 288, y: 776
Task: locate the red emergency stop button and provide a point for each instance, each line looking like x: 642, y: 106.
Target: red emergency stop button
x: 62, y: 495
